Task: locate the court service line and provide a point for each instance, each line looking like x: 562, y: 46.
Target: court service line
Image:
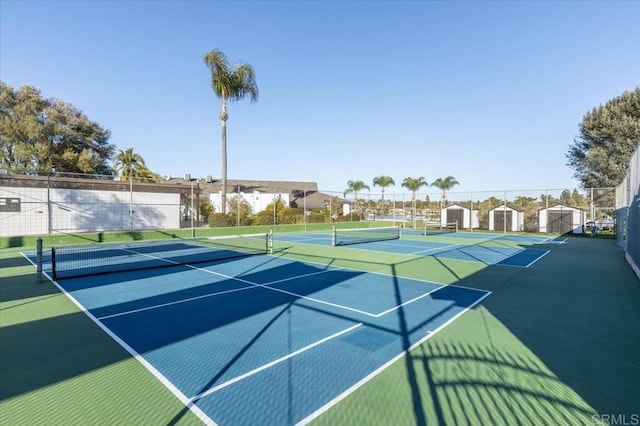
x: 272, y: 363
x: 447, y: 247
x: 322, y: 302
x: 411, y: 301
x: 300, y: 296
x: 253, y: 284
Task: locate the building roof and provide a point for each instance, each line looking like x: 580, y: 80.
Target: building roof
x: 459, y: 205
x: 509, y: 206
x: 560, y: 207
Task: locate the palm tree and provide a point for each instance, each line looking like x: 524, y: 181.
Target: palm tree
x: 414, y: 185
x: 229, y: 84
x: 129, y: 164
x: 383, y: 182
x: 444, y: 185
x: 355, y: 187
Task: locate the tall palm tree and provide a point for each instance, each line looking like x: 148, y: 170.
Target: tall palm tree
x: 414, y: 185
x: 444, y: 185
x: 383, y: 182
x: 355, y: 187
x: 229, y: 83
x: 128, y: 164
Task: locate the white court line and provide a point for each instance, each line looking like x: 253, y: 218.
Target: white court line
x: 156, y: 373
x: 538, y: 258
x: 450, y: 246
x: 251, y: 283
x: 175, y: 302
x: 293, y: 239
x: 383, y: 367
x: 395, y: 308
x: 272, y: 363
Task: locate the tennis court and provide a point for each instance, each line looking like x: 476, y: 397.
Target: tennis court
x: 485, y: 248
x: 259, y: 339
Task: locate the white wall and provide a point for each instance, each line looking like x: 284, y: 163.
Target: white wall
x: 79, y: 210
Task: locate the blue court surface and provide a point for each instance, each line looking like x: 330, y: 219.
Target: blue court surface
x: 490, y: 249
x: 264, y: 339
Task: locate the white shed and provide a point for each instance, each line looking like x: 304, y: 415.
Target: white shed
x: 506, y: 218
x: 561, y: 219
x: 463, y: 214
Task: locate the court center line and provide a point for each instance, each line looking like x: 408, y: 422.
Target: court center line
x: 383, y: 367
x: 450, y: 246
x: 272, y: 363
x: 418, y: 298
x: 252, y: 284
x: 335, y: 305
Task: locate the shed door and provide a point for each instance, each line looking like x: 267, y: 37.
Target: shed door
x: 560, y: 222
x: 499, y: 216
x: 454, y: 215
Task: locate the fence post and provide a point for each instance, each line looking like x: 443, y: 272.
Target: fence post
x: 193, y: 230
x: 39, y: 259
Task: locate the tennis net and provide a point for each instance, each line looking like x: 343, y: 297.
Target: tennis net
x: 95, y: 259
x: 343, y: 237
x: 440, y: 228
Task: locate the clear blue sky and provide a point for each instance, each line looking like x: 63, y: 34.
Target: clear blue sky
x: 491, y: 93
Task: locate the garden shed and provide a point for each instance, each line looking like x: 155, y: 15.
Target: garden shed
x: 506, y: 217
x: 463, y: 214
x: 561, y: 219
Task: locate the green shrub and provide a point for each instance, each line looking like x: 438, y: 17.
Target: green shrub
x: 263, y: 218
x: 348, y: 218
x: 218, y: 220
x: 291, y: 216
x: 317, y: 218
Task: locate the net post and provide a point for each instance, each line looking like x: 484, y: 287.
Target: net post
x: 39, y: 259
x: 54, y: 268
x: 400, y: 232
x: 270, y: 242
x: 457, y: 226
x: 333, y: 236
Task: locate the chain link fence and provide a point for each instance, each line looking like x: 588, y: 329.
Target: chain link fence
x: 41, y: 205
x: 627, y: 200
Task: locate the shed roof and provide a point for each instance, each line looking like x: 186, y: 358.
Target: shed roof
x: 509, y: 206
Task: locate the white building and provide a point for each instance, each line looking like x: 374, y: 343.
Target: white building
x: 561, y: 219
x: 506, y: 218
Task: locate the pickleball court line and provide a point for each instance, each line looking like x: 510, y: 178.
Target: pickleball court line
x: 265, y: 286
x: 383, y: 367
x: 274, y: 362
x: 146, y: 364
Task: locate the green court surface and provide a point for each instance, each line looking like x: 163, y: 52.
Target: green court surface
x: 555, y: 343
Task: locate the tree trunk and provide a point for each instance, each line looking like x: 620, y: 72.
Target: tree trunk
x: 223, y: 168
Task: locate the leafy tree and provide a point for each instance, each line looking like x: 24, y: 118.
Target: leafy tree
x: 220, y: 220
x: 239, y: 205
x: 530, y: 207
x: 414, y: 185
x: 39, y: 135
x: 206, y: 209
x: 130, y: 165
x: 609, y: 134
x: 229, y: 83
x: 444, y: 185
x: 383, y: 181
x: 355, y: 186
